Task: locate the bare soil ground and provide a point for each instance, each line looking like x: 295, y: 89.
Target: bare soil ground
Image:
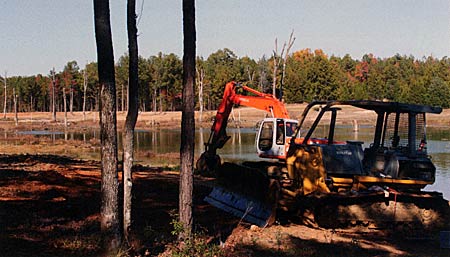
x: 49, y: 206
x: 50, y: 201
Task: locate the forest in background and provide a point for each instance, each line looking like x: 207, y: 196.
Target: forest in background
x: 309, y: 75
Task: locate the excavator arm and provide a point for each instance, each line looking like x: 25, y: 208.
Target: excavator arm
x: 218, y: 136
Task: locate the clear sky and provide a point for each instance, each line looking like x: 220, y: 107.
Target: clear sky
x: 38, y: 35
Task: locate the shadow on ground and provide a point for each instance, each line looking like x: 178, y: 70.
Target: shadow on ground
x: 49, y: 206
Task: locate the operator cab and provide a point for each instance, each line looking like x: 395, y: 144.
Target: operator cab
x: 274, y: 134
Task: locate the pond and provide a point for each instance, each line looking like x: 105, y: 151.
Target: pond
x: 241, y: 146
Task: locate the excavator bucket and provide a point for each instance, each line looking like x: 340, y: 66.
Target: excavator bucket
x: 246, y: 193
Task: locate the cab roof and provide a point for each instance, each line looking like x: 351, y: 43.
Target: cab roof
x: 381, y: 106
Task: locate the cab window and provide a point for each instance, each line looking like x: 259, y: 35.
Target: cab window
x: 280, y: 132
x: 266, y: 136
x: 290, y: 128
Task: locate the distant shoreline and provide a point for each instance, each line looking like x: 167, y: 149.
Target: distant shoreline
x: 243, y: 117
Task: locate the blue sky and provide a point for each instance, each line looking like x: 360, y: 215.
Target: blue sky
x: 39, y: 35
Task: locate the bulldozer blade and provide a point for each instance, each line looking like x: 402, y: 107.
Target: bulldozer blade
x: 247, y: 209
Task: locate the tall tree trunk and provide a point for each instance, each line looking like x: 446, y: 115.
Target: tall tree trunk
x: 251, y: 75
x: 65, y: 106
x: 275, y: 69
x: 154, y: 99
x: 84, y: 92
x: 71, y: 99
x: 160, y: 100
x: 16, y: 118
x: 200, y: 79
x: 53, y: 95
x: 128, y: 92
x: 132, y: 114
x: 122, y: 104
x: 4, y: 104
x: 109, y: 211
x: 187, y: 119
x: 50, y: 99
x: 117, y: 101
x: 283, y: 73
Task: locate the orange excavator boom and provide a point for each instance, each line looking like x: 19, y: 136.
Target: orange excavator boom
x: 260, y: 101
x: 230, y: 98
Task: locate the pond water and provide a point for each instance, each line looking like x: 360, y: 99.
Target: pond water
x: 241, y: 146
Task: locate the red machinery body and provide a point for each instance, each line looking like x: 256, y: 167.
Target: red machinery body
x: 275, y: 149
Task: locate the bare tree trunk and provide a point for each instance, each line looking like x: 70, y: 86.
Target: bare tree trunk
x: 187, y: 119
x: 262, y: 77
x: 251, y: 75
x: 275, y: 69
x: 128, y: 93
x: 132, y: 114
x: 53, y: 95
x: 31, y: 108
x: 71, y: 99
x: 160, y: 100
x: 289, y: 45
x: 122, y: 104
x: 16, y: 118
x: 154, y: 99
x: 65, y: 106
x: 84, y: 92
x: 4, y: 104
x: 117, y: 100
x: 50, y: 99
x: 200, y: 79
x: 276, y: 62
x: 109, y: 211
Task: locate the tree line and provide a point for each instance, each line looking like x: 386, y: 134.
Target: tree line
x: 309, y: 75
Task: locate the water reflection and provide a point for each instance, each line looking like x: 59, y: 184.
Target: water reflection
x: 39, y: 132
x: 241, y: 146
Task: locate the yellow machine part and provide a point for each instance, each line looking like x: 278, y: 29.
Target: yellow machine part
x: 305, y: 166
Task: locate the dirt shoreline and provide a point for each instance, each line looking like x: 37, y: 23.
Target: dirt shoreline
x: 242, y: 116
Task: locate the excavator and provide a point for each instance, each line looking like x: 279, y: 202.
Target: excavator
x: 324, y: 179
x: 277, y: 129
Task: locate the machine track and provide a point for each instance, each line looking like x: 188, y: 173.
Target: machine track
x: 256, y: 192
x: 398, y: 211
